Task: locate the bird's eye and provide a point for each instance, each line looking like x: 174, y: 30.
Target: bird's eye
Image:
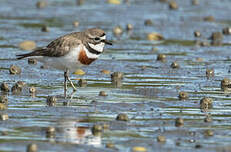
x: 97, y: 39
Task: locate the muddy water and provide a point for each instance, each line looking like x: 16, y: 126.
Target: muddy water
x: 149, y: 96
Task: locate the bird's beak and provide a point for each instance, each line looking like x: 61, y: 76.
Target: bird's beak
x: 107, y: 42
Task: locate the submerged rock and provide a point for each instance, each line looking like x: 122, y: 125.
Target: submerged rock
x: 183, y: 95
x: 173, y: 5
x: 51, y: 100
x: 179, y: 122
x: 27, y: 45
x: 206, y: 103
x: 154, y: 36
x: 15, y: 69
x: 32, y: 148
x: 122, y: 117
x: 161, y: 139
x: 4, y: 87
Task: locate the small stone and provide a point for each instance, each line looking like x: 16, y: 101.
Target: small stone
x: 105, y: 72
x: 17, y: 88
x: 175, y: 65
x: 199, y: 59
x: 197, y: 34
x: 116, y: 79
x: 97, y: 128
x: 161, y: 139
x: 32, y: 61
x: 117, y: 31
x: 4, y: 117
x: 195, y: 2
x: 41, y: 4
x: 227, y: 31
x: 179, y: 122
x: 209, y: 73
x: 15, y: 69
x: 161, y: 57
x: 173, y: 5
x: 75, y: 23
x: 204, y: 44
x: 3, y: 99
x: 183, y: 95
x: 51, y: 100
x: 4, y: 87
x: 209, y: 19
x: 50, y: 132
x: 225, y: 84
x: 197, y: 146
x: 45, y: 29
x: 216, y: 36
x: 27, y: 45
x: 106, y: 126
x: 2, y: 106
x: 139, y: 149
x: 102, y: 93
x: 154, y: 37
x: 80, y: 2
x: 206, y: 103
x: 208, y: 133
x: 129, y: 27
x: 32, y: 148
x: 148, y: 22
x: 117, y: 2
x: 110, y: 145
x: 79, y: 72
x: 208, y: 119
x: 122, y: 117
x: 82, y: 82
x: 32, y: 89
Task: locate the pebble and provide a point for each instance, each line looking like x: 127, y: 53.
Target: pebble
x: 208, y: 119
x: 97, y: 128
x: 154, y: 36
x: 32, y: 89
x: 209, y: 73
x: 227, y: 31
x: 116, y: 79
x: 209, y: 19
x: 80, y: 2
x: 50, y: 132
x: 4, y: 87
x: 206, y: 103
x: 102, y: 93
x: 110, y: 145
x: 3, y: 99
x: 117, y: 31
x: 183, y: 95
x: 173, y: 5
x: 32, y: 61
x: 45, y: 29
x: 175, y: 65
x: 75, y: 23
x: 4, y: 117
x: 117, y: 2
x: 27, y: 45
x: 105, y: 71
x: 208, y: 133
x: 148, y: 22
x: 139, y: 149
x: 82, y: 82
x: 32, y: 148
x: 197, y: 34
x: 161, y: 57
x: 51, y: 100
x: 161, y: 138
x: 15, y: 70
x: 122, y: 117
x: 2, y: 106
x: 79, y: 72
x: 225, y: 84
x: 41, y: 4
x: 129, y: 27
x: 179, y: 122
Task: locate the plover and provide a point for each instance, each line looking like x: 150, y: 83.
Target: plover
x: 71, y: 51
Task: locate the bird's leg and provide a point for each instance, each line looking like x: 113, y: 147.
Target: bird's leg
x: 72, y: 85
x: 65, y: 84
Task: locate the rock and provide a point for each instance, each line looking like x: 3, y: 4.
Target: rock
x: 75, y: 23
x: 41, y: 4
x: 50, y: 132
x: 173, y: 5
x: 208, y: 133
x: 197, y: 34
x: 206, y: 103
x: 3, y: 99
x: 51, y: 100
x: 32, y: 148
x: 82, y: 82
x: 32, y: 61
x: 208, y: 119
x: 175, y: 65
x: 226, y: 84
x: 45, y: 29
x: 15, y: 69
x: 161, y: 57
x: 122, y: 117
x: 179, y: 122
x: 117, y: 31
x: 209, y: 19
x: 161, y: 139
x: 105, y: 72
x: 227, y: 31
x: 32, y: 89
x: 116, y: 79
x: 129, y: 27
x: 117, y: 2
x: 154, y: 37
x: 183, y: 95
x: 4, y: 87
x: 27, y: 45
x: 110, y: 145
x: 102, y: 93
x: 139, y: 149
x: 2, y: 106
x: 80, y: 2
x: 148, y: 22
x: 79, y: 72
x: 97, y: 129
x: 209, y: 73
x: 4, y: 117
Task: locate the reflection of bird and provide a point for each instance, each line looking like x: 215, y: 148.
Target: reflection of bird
x: 71, y: 51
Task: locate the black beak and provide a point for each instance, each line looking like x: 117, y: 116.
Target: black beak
x: 107, y: 42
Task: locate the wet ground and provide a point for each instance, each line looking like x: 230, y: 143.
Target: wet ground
x: 149, y: 95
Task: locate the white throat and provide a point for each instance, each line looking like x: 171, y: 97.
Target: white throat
x: 98, y: 47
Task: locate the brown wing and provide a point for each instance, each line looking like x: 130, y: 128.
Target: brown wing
x: 56, y: 48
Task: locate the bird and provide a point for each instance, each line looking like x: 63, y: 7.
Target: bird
x: 71, y: 51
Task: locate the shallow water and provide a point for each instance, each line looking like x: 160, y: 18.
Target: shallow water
x: 148, y: 96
